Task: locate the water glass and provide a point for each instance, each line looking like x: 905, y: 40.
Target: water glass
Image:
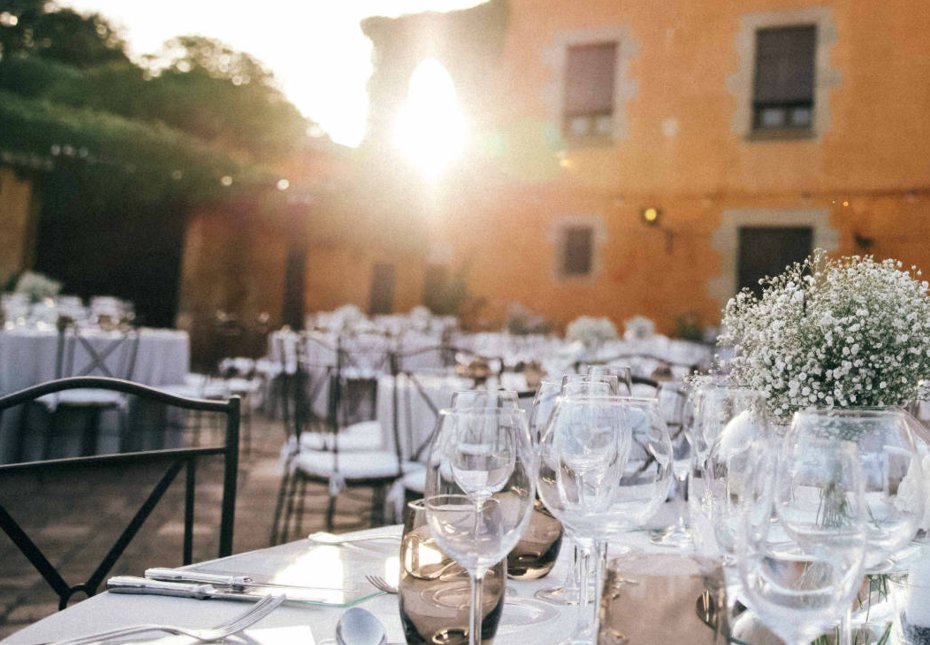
x: 480, y: 488
x: 802, y: 537
x: 434, y: 588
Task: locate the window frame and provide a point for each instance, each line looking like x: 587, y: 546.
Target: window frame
x: 786, y: 129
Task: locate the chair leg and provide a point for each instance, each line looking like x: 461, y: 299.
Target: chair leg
x: 300, y: 506
x: 89, y: 438
x: 330, y: 512
x: 289, y: 511
x: 247, y: 426
x: 378, y: 500
x: 279, y: 508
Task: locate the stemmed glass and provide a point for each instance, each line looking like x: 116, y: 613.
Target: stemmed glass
x: 480, y: 488
x: 672, y: 404
x: 484, y: 399
x: 583, y: 451
x: 623, y: 374
x: 647, y: 474
x: 802, y: 536
x: 544, y: 404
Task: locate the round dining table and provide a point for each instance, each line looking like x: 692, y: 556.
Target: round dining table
x: 28, y: 356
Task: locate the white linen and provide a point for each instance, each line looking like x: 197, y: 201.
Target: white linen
x: 27, y: 356
x: 106, y: 610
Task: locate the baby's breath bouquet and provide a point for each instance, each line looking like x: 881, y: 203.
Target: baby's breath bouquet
x: 590, y: 331
x: 839, y: 333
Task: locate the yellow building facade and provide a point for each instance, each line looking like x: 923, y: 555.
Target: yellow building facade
x: 706, y: 128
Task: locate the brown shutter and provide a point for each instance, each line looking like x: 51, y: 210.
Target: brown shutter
x: 589, y: 79
x: 579, y: 246
x: 785, y: 65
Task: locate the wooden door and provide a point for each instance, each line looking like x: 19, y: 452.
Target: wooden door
x: 767, y: 250
x: 382, y: 289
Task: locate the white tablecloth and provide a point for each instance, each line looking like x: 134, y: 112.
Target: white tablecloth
x: 416, y: 419
x: 108, y: 610
x: 27, y: 357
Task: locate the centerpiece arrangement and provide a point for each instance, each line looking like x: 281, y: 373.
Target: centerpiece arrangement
x: 833, y: 333
x: 839, y: 347
x: 590, y: 333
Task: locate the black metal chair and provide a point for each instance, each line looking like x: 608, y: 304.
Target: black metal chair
x: 332, y: 451
x: 162, y: 465
x: 82, y: 352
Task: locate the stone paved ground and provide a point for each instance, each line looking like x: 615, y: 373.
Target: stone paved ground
x: 63, y: 517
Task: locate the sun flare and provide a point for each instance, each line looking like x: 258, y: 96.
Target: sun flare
x: 431, y: 129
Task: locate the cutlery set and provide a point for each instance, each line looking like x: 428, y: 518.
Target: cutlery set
x: 356, y: 627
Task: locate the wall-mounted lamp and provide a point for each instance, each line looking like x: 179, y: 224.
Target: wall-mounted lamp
x: 651, y: 216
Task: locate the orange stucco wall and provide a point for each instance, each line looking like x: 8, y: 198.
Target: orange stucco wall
x: 681, y: 153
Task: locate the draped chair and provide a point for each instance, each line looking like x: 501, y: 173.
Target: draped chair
x: 104, y: 489
x: 327, y: 449
x: 85, y: 352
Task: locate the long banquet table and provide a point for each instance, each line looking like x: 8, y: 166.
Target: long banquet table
x: 670, y: 618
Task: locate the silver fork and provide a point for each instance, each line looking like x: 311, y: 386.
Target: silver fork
x: 255, y: 613
x: 381, y: 584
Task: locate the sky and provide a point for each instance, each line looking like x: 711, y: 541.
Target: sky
x: 315, y: 48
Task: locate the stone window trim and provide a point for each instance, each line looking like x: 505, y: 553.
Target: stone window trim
x: 555, y: 58
x: 725, y: 239
x: 556, y: 238
x: 740, y: 84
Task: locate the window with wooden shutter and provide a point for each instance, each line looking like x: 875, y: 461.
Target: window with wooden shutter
x: 577, y: 251
x: 589, y: 91
x: 783, y: 87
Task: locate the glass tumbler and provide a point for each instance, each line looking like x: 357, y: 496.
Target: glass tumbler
x: 434, y: 589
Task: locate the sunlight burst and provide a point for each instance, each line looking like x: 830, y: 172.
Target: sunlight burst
x: 431, y: 129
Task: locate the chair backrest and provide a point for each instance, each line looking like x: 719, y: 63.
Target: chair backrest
x: 163, y: 466
x: 92, y: 352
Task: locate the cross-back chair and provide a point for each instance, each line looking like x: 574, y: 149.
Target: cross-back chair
x: 338, y: 454
x: 84, y: 352
x: 38, y: 480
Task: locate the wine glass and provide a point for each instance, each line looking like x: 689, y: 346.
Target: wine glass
x: 581, y: 384
x: 644, y: 482
x: 732, y: 420
x: 623, y: 373
x: 484, y: 399
x: 892, y: 469
x: 672, y: 400
x: 583, y: 452
x: 802, y: 536
x: 544, y: 404
x: 480, y: 488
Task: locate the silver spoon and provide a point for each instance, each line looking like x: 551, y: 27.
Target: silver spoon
x: 358, y: 626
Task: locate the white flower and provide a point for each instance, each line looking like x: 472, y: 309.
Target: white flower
x: 843, y: 332
x: 590, y: 331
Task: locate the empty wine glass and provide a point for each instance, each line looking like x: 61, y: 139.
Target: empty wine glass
x: 802, y: 536
x: 480, y: 488
x: 672, y: 400
x: 583, y: 451
x: 892, y: 469
x: 586, y: 384
x: 484, y: 399
x: 544, y: 404
x: 623, y: 373
x: 647, y: 474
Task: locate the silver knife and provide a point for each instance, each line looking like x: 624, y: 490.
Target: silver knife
x: 201, y: 591
x: 237, y: 583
